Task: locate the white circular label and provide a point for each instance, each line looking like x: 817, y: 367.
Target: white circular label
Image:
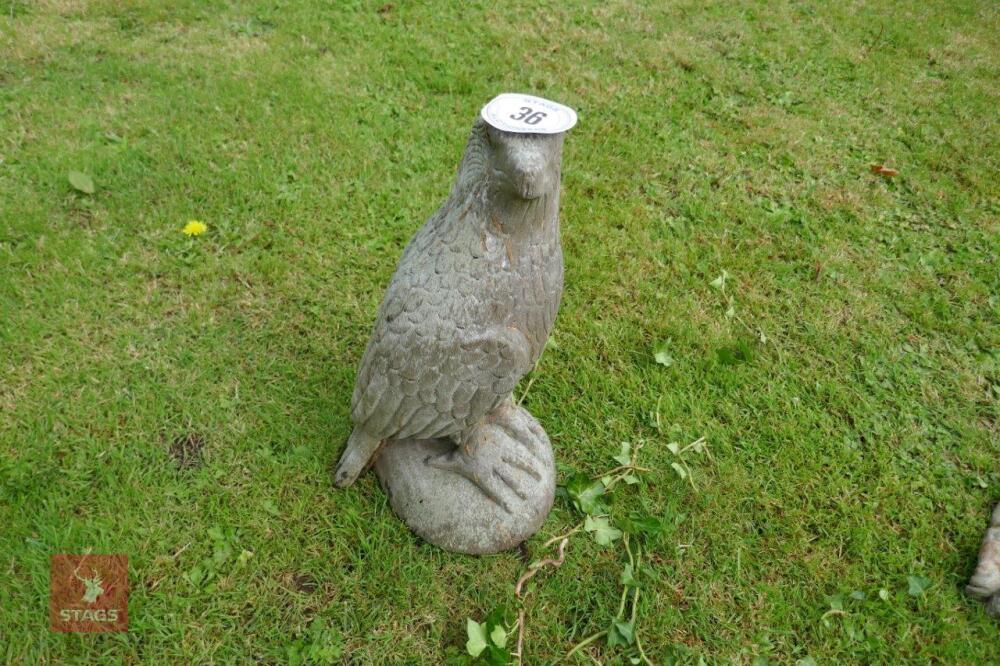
x: 527, y: 114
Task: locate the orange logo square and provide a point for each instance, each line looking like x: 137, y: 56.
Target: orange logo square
x: 88, y: 593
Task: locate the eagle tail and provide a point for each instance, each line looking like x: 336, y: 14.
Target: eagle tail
x: 359, y: 451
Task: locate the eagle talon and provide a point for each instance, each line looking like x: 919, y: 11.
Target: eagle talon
x: 993, y: 605
x: 497, y: 463
x: 480, y: 472
x: 523, y: 431
x: 522, y: 463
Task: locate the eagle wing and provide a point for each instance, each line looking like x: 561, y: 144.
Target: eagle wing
x: 429, y: 370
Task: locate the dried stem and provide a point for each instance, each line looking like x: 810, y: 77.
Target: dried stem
x: 622, y: 468
x: 531, y: 380
x: 530, y: 573
x: 520, y: 637
x: 585, y: 642
x: 635, y: 608
x: 563, y: 536
x: 638, y: 643
x: 621, y: 604
x: 634, y: 561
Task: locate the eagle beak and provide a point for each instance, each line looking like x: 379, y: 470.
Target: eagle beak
x: 529, y: 183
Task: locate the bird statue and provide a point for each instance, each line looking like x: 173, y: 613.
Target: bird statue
x: 985, y: 582
x: 465, y: 317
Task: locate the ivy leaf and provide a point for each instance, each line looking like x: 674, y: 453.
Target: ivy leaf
x: 630, y: 479
x: 628, y: 577
x: 497, y: 656
x: 662, y: 355
x: 499, y: 616
x: 195, y: 575
x: 720, y: 282
x: 625, y: 457
x: 586, y: 495
x: 498, y: 636
x: 222, y: 553
x: 621, y: 633
x: 918, y: 585
x: 604, y: 534
x: 639, y: 522
x: 674, y: 448
x: 477, y: 637
x: 81, y: 182
x: 681, y: 472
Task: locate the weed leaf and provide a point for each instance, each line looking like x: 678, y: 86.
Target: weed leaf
x: 640, y: 522
x: 604, y: 534
x: 477, y: 637
x: 81, y: 182
x: 498, y: 636
x: 586, y: 495
x: 621, y: 633
x: 662, y: 355
x: 918, y: 585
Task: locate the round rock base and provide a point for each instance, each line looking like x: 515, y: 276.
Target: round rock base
x: 430, y: 486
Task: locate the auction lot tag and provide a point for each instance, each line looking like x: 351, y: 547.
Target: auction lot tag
x: 527, y: 114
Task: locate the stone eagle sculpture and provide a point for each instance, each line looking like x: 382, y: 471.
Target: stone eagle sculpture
x: 465, y: 317
x: 985, y: 582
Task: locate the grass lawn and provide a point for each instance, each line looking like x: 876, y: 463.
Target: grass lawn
x: 182, y: 399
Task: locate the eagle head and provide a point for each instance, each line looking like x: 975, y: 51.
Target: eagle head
x: 525, y: 166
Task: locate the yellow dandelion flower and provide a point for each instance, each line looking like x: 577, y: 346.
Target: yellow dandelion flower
x: 195, y: 228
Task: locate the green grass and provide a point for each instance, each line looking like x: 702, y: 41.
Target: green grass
x: 855, y: 442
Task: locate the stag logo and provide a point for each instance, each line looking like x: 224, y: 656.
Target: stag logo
x: 92, y: 589
x: 89, y: 593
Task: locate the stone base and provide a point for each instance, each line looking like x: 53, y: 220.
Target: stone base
x: 447, y: 509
